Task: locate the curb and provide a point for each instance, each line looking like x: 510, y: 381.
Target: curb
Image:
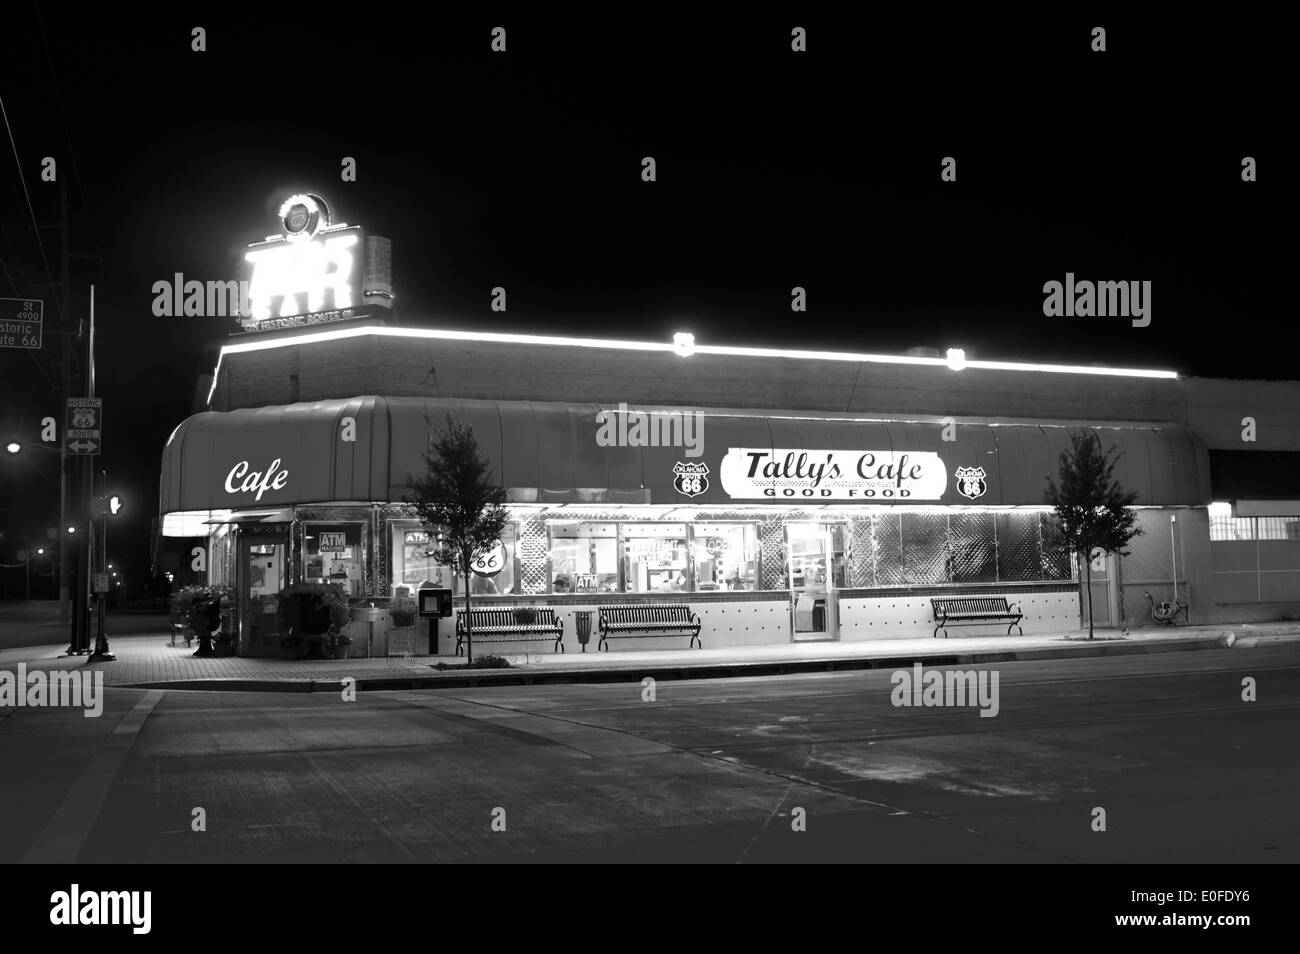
x: 525, y: 677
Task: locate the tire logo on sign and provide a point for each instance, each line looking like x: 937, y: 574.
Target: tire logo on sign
x: 692, y: 479
x: 971, y: 482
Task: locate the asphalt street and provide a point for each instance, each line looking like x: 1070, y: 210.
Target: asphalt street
x: 722, y: 770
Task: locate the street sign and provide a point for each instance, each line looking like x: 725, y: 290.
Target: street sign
x: 22, y: 322
x: 101, y: 582
x: 82, y: 425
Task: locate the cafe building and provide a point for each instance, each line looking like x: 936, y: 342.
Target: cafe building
x: 783, y: 495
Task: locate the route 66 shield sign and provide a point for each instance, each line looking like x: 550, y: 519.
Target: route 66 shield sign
x: 491, y: 561
x: 692, y: 479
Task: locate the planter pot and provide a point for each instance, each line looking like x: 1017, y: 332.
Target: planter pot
x: 292, y: 650
x: 341, y: 651
x: 316, y: 621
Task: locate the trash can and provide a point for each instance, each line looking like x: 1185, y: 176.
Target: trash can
x: 582, y: 623
x: 364, y: 619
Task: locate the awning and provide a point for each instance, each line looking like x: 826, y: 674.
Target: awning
x: 365, y: 449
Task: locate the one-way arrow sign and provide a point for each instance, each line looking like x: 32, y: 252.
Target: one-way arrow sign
x: 83, y: 447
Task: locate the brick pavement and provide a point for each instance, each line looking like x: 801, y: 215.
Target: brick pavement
x: 152, y: 659
x: 142, y: 659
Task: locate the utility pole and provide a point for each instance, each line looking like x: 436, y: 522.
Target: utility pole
x: 72, y: 475
x: 101, y: 652
x: 65, y: 593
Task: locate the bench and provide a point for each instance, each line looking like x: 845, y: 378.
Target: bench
x: 502, y: 625
x: 666, y: 619
x: 975, y: 609
x: 182, y: 630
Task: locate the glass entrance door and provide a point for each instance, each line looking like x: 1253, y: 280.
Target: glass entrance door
x: 812, y: 581
x: 261, y: 578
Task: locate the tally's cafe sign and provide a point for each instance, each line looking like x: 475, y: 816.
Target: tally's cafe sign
x: 756, y: 473
x: 315, y: 270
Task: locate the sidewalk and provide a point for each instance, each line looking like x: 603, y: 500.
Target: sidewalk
x: 150, y: 661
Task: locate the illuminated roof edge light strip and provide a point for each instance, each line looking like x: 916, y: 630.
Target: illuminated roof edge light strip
x: 621, y: 345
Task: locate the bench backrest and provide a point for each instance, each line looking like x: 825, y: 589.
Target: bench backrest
x: 505, y: 616
x: 961, y: 605
x: 647, y: 613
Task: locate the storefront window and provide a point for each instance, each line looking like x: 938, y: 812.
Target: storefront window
x: 726, y: 556
x: 973, y: 549
x: 931, y: 547
x: 584, y: 557
x: 333, y: 553
x: 413, y: 564
x: 925, y: 548
x: 654, y: 558
x: 493, y: 573
x: 1020, y: 547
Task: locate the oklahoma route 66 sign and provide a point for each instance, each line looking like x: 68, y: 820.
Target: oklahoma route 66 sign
x: 691, y: 479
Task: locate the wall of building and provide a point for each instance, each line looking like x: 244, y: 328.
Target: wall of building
x: 508, y: 371
x: 1150, y: 565
x: 1256, y: 571
x: 909, y: 614
x: 758, y: 619
x: 1216, y: 408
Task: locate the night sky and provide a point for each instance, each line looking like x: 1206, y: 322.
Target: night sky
x: 522, y: 169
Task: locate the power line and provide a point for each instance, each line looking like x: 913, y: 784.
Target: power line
x: 48, y: 381
x: 30, y: 211
x: 67, y: 133
x: 6, y: 268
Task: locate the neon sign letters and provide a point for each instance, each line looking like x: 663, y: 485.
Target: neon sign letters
x: 300, y: 278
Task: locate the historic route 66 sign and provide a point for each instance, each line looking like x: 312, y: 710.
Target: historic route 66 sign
x: 971, y: 482
x: 692, y: 479
x: 491, y: 561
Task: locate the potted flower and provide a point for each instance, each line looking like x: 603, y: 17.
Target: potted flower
x: 561, y: 584
x: 308, y: 611
x: 401, y: 639
x: 338, y: 644
x: 403, y: 615
x: 223, y: 644
x: 201, y: 608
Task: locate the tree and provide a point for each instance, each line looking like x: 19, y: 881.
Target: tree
x: 1093, y: 512
x: 459, y: 503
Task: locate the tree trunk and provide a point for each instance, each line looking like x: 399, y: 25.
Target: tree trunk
x: 469, y: 630
x: 1087, y: 568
